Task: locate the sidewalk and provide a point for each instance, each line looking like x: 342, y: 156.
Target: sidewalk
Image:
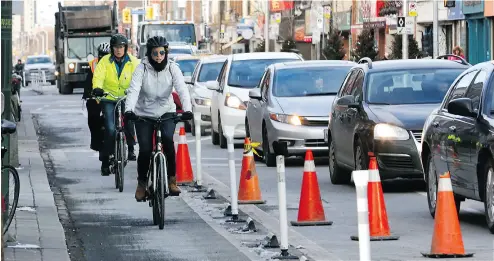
x: 36, y: 232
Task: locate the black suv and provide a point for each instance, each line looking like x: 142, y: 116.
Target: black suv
x: 381, y: 108
x: 459, y: 137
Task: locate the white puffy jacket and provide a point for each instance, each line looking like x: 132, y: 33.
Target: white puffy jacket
x: 150, y: 92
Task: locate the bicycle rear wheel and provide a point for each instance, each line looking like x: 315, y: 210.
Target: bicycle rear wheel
x: 14, y: 186
x: 121, y: 161
x: 161, y: 175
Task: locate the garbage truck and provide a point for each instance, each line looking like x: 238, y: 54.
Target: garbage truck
x: 78, y: 32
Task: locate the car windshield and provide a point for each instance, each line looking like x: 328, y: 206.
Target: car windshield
x: 80, y: 47
x: 309, y: 81
x: 187, y: 66
x: 179, y: 51
x: 172, y: 32
x: 248, y: 73
x: 413, y: 86
x: 209, y: 71
x: 33, y: 60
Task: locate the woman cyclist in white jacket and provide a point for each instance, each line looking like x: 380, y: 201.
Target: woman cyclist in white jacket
x: 150, y: 95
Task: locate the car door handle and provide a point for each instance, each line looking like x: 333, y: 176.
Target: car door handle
x: 452, y: 128
x: 435, y: 124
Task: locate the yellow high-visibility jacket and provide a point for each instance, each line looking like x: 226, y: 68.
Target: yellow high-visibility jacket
x: 106, y: 75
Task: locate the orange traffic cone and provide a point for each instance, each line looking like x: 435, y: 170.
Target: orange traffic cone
x: 184, y: 167
x: 447, y: 240
x: 248, y: 190
x: 310, y: 210
x: 378, y: 218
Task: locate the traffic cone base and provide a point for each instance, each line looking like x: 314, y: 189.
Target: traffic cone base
x: 184, y: 174
x: 447, y: 241
x: 378, y: 238
x: 310, y: 210
x: 249, y: 191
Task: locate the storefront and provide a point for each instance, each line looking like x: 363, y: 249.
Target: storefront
x: 479, y: 31
x: 489, y: 13
x: 456, y: 16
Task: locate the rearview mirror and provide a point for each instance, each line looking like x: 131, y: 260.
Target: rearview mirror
x: 347, y: 101
x: 461, y: 107
x: 255, y: 94
x: 212, y: 85
x: 188, y: 79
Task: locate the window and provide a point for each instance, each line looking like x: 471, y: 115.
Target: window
x: 475, y: 90
x: 184, y: 33
x: 248, y: 73
x: 34, y: 60
x: 265, y: 85
x: 347, y: 88
x: 187, y: 66
x: 209, y: 71
x: 77, y: 48
x: 461, y: 87
x: 222, y: 76
x: 357, y: 86
x: 410, y: 86
x: 309, y: 81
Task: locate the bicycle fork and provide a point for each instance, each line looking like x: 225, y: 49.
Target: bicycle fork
x: 156, y: 157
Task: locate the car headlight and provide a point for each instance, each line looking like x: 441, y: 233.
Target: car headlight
x: 56, y: 73
x: 71, y: 65
x: 284, y: 118
x: 384, y: 131
x: 203, y: 101
x: 233, y: 101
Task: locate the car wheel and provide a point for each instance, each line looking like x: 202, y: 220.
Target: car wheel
x: 361, y: 160
x: 221, y: 135
x: 247, y: 134
x: 192, y: 128
x: 53, y: 82
x: 215, y: 137
x: 489, y: 194
x: 337, y: 174
x: 269, y: 158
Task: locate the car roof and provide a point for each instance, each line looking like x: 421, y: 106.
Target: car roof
x: 313, y: 63
x: 41, y: 55
x: 187, y: 57
x: 213, y: 58
x: 263, y: 55
x: 412, y: 64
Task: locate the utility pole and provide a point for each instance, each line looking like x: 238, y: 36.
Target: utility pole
x: 435, y: 29
x: 266, y: 27
x: 404, y: 45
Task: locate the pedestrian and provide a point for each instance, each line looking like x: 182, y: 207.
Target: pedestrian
x: 458, y: 51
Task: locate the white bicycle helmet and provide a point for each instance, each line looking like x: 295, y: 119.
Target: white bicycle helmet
x: 103, y: 48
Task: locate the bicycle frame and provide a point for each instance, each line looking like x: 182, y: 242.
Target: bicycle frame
x: 158, y: 154
x: 119, y: 126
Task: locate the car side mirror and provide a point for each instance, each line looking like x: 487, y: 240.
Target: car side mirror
x: 213, y: 85
x: 188, y: 79
x: 348, y: 101
x: 255, y: 94
x: 90, y: 57
x: 461, y: 107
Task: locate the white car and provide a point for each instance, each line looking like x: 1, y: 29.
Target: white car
x: 240, y: 73
x: 207, y: 69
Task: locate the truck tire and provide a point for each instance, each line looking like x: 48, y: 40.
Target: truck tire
x: 66, y: 89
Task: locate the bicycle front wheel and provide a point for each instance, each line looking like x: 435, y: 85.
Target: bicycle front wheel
x: 161, y: 175
x: 121, y: 161
x: 13, y: 197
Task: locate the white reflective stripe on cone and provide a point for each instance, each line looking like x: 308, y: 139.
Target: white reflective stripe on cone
x: 309, y: 166
x: 444, y: 185
x: 374, y: 175
x: 182, y: 139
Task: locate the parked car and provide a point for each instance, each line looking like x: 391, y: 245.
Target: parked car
x: 458, y: 138
x: 240, y: 73
x: 291, y: 103
x: 174, y: 50
x: 381, y: 109
x: 187, y: 64
x: 207, y: 69
x: 39, y: 63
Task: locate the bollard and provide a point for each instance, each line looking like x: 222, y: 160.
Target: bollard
x: 281, y: 150
x: 197, y: 186
x: 229, y: 132
x: 361, y: 179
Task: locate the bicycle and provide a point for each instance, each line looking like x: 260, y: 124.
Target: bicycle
x: 118, y: 160
x: 9, y: 127
x: 157, y: 187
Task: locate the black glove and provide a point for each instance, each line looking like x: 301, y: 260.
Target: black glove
x: 188, y: 115
x: 98, y: 92
x: 130, y: 115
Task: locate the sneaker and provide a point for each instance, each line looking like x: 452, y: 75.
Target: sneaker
x: 105, y: 169
x: 140, y: 191
x: 131, y: 155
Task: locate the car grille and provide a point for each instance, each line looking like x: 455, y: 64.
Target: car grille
x: 417, y: 134
x: 315, y: 121
x: 83, y: 67
x: 315, y: 143
x: 397, y: 162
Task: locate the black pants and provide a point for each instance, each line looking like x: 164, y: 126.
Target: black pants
x: 108, y: 109
x: 95, y: 124
x: 144, y: 132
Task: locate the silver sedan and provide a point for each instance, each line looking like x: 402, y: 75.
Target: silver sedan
x: 292, y: 104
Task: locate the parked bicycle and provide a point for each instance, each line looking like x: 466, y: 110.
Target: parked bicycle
x: 118, y: 160
x: 157, y: 186
x: 9, y: 127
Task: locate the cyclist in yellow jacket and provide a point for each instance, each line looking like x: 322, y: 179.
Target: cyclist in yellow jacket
x: 113, y: 74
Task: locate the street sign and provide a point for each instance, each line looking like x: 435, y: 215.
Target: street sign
x: 149, y: 13
x: 126, y: 16
x: 137, y: 12
x: 405, y: 25
x: 412, y: 9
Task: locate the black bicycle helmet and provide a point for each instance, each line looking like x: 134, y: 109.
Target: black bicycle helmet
x: 157, y: 41
x: 118, y: 39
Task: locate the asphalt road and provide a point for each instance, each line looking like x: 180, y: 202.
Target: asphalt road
x: 112, y: 226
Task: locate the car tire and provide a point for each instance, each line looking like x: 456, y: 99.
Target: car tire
x: 488, y: 169
x: 215, y: 137
x: 53, y: 82
x: 431, y: 180
x: 193, y: 128
x: 222, y: 137
x: 66, y: 89
x: 361, y: 157
x: 337, y: 174
x: 269, y: 158
x: 247, y: 134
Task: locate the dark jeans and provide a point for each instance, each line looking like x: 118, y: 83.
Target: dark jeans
x: 145, y: 131
x: 108, y: 109
x: 95, y: 123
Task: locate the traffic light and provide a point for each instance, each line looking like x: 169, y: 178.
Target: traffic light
x: 149, y: 13
x: 126, y: 16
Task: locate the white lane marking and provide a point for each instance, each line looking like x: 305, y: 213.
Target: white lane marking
x: 467, y: 209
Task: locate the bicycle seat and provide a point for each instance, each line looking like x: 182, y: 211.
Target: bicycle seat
x: 8, y: 127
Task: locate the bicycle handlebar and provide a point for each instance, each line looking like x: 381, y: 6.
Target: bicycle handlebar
x: 113, y: 96
x: 176, y: 118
